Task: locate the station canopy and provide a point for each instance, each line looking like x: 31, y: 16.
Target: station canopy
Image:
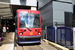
x: 8, y: 11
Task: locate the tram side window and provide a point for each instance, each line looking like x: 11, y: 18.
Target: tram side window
x: 16, y: 21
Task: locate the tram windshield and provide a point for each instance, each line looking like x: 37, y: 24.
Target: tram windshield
x: 29, y: 20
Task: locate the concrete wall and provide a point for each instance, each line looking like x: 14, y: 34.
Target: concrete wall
x: 43, y: 2
x: 62, y: 6
x: 73, y: 2
x: 47, y: 14
x: 65, y: 0
x: 56, y: 11
x: 59, y: 10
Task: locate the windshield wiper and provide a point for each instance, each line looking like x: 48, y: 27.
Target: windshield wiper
x: 29, y: 29
x: 26, y: 27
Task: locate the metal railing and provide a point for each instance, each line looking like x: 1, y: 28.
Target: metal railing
x: 64, y: 36
x: 51, y: 33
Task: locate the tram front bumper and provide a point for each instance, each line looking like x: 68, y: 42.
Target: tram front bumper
x: 29, y: 36
x: 29, y: 39
x: 29, y: 42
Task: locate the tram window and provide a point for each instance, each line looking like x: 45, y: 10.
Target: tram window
x: 29, y: 20
x: 16, y: 21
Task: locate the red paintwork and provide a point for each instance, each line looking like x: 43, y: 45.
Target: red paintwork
x: 27, y: 32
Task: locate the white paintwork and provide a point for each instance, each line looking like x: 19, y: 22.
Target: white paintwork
x: 28, y: 2
x: 15, y: 2
x: 31, y: 2
x: 33, y: 8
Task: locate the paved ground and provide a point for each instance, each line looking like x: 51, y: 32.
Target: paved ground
x: 8, y: 42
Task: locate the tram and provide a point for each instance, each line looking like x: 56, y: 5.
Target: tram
x: 28, y: 26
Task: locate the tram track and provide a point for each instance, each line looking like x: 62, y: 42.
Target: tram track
x: 29, y: 47
x: 33, y: 47
x: 22, y: 48
x: 42, y: 46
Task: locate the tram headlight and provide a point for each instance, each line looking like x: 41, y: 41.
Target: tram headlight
x: 21, y: 33
x: 39, y: 33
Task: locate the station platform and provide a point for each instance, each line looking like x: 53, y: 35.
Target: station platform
x: 8, y: 44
